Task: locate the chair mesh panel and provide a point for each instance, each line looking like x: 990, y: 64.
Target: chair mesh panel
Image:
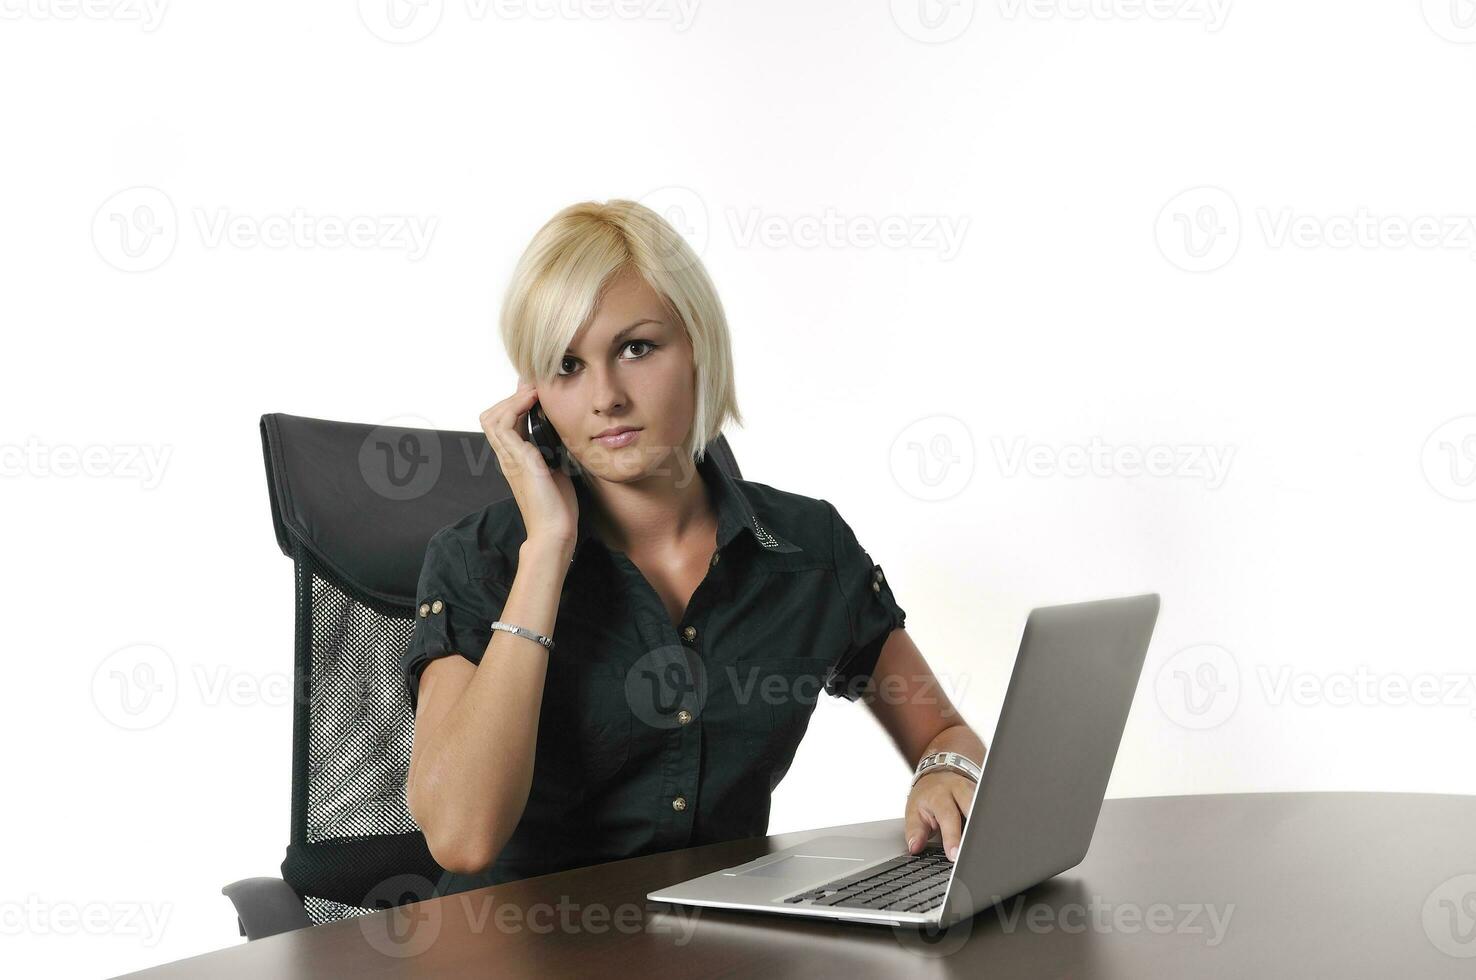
x: 352, y: 732
x: 360, y: 731
x: 321, y: 910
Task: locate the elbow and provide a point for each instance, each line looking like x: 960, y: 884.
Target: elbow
x: 455, y: 848
x: 460, y: 850
x: 462, y: 857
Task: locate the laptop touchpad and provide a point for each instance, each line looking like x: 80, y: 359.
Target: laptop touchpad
x: 803, y: 866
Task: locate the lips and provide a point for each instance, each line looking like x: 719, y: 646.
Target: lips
x: 623, y: 436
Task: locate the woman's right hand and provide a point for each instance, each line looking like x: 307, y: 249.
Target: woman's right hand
x: 545, y: 496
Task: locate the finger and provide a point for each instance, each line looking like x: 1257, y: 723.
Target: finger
x: 914, y: 829
x: 523, y: 394
x: 501, y: 422
x: 950, y: 821
x: 506, y: 412
x: 512, y: 450
x: 516, y: 455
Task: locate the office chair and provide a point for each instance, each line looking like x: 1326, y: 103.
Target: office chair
x: 353, y: 506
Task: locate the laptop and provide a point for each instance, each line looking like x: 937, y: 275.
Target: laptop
x: 1034, y: 811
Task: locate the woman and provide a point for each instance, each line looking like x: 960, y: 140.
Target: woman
x: 693, y: 616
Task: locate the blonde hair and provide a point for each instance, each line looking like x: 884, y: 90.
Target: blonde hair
x: 563, y: 273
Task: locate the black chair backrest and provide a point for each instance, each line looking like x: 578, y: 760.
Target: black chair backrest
x: 353, y: 506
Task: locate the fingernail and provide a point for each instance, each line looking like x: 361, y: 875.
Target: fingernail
x: 911, y: 843
x: 953, y: 854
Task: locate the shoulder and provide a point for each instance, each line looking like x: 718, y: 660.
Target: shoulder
x: 808, y: 522
x: 486, y: 540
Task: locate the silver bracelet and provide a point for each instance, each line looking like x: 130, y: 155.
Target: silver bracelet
x: 951, y: 761
x: 547, y: 642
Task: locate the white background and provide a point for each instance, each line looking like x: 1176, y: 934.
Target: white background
x: 1239, y: 229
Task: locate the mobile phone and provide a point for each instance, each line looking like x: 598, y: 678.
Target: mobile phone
x: 540, y: 432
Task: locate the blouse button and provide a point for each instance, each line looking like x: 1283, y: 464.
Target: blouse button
x: 424, y: 609
x: 680, y: 803
x: 690, y: 633
x: 437, y: 606
x: 684, y: 716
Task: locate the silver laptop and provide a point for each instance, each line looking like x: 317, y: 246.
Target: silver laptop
x: 1034, y: 810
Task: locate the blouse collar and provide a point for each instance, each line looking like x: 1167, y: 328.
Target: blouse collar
x: 734, y: 510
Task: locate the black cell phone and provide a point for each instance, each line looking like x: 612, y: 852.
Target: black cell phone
x: 542, y: 434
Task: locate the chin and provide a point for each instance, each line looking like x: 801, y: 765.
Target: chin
x: 628, y: 464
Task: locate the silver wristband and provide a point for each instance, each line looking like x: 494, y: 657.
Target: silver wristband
x: 547, y: 642
x: 950, y: 761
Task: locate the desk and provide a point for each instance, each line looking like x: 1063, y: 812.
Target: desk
x: 1238, y: 886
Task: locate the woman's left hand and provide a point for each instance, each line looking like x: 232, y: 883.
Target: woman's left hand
x: 939, y: 801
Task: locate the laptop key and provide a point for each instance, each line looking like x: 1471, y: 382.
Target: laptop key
x: 870, y: 873
x: 838, y: 899
x: 896, y: 901
x: 921, y: 893
x: 888, y: 882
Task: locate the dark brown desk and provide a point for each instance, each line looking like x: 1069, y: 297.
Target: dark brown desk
x: 1238, y: 886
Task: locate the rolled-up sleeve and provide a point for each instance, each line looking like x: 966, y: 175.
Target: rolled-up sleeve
x: 456, y: 602
x: 871, y: 609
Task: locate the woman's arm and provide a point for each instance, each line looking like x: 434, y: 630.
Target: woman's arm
x: 917, y: 713
x: 476, y: 725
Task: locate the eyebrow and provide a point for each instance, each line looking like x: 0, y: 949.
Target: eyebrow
x: 615, y: 341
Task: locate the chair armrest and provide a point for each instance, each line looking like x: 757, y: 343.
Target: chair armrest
x: 266, y: 906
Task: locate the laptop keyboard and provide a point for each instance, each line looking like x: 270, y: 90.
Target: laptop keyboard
x: 909, y: 883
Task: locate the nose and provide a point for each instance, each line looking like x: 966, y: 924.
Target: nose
x: 609, y: 396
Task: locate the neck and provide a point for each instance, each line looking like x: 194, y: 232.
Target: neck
x: 657, y: 512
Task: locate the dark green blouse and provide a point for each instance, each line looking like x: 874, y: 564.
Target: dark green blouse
x: 656, y: 735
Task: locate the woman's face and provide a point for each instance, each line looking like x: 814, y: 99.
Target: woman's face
x: 631, y: 365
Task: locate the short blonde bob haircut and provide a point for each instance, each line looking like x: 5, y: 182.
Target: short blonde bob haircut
x: 559, y: 280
